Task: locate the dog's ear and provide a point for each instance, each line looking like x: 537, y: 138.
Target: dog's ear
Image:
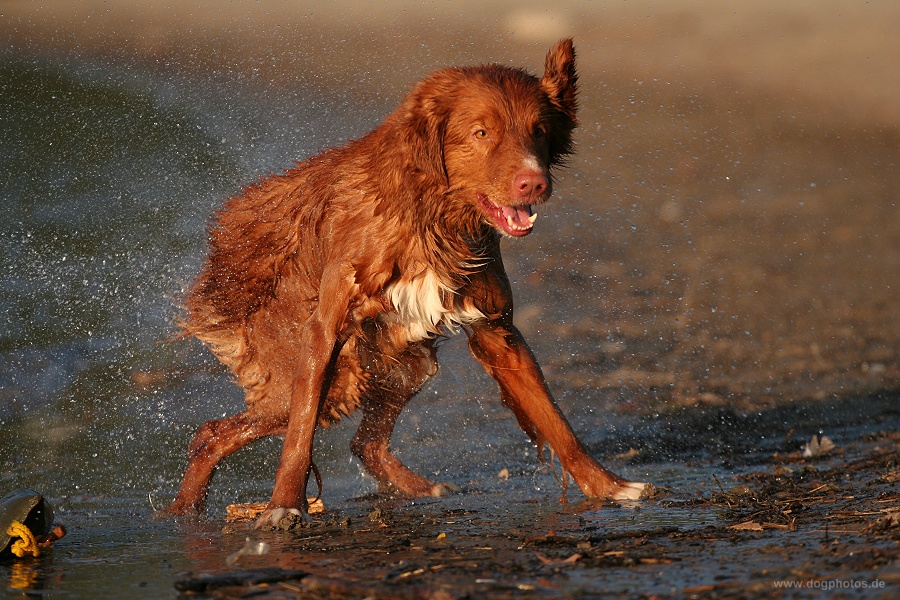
x: 424, y: 126
x: 560, y: 81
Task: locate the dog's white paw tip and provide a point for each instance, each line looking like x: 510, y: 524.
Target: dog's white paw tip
x: 632, y: 490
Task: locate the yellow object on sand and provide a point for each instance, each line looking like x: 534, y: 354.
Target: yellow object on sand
x: 27, y: 544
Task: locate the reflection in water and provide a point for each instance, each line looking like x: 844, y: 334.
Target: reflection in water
x: 23, y: 576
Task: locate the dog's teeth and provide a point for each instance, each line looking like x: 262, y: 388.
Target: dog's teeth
x: 532, y: 218
x: 510, y: 222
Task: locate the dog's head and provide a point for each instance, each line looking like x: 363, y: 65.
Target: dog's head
x: 491, y: 136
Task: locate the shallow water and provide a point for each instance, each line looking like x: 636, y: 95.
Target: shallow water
x: 114, y: 549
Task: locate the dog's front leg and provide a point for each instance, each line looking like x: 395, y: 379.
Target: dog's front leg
x: 320, y: 342
x: 503, y: 352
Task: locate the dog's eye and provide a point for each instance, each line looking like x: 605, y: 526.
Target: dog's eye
x: 481, y: 134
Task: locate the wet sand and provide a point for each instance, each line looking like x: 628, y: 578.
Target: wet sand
x: 825, y: 526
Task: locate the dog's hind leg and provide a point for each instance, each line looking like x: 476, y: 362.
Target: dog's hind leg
x: 371, y: 445
x: 213, y: 442
x: 395, y: 383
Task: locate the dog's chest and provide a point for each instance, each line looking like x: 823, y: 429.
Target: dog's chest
x: 426, y: 308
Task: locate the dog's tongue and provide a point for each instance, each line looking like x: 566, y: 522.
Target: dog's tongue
x: 518, y: 217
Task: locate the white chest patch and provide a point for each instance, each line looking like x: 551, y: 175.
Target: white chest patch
x: 424, y: 307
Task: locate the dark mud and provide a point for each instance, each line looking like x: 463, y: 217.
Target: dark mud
x: 781, y: 525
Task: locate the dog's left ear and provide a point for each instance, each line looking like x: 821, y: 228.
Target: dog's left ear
x: 560, y: 81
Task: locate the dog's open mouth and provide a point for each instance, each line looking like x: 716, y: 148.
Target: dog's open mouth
x: 515, y: 220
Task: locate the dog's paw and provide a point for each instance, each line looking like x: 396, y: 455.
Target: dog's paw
x: 282, y: 519
x: 632, y: 490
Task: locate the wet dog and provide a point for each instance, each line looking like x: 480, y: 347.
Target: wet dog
x: 327, y: 286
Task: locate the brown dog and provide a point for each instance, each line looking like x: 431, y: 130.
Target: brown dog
x: 327, y: 286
